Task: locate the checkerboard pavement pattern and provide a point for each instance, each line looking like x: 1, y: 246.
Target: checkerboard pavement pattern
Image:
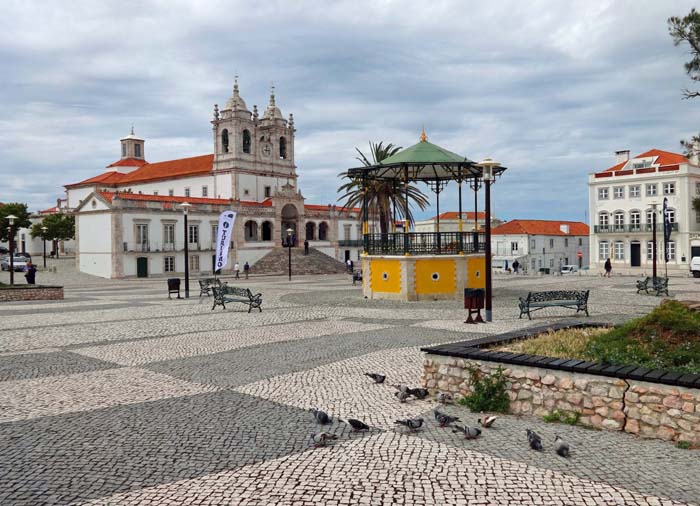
x: 118, y: 395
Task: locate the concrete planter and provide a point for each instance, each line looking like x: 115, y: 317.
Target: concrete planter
x: 31, y: 292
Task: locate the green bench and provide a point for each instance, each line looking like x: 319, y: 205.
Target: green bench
x: 224, y: 294
x: 206, y: 284
x: 658, y: 285
x: 571, y: 299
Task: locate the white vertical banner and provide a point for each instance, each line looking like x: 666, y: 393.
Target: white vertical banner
x: 223, y: 238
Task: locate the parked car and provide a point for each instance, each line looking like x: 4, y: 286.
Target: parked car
x: 25, y: 255
x: 4, y: 250
x: 569, y: 269
x: 19, y: 263
x: 695, y: 266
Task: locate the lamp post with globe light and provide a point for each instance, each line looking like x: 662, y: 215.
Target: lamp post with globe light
x: 185, y: 208
x: 11, y: 229
x: 43, y: 237
x: 289, y: 247
x: 488, y: 165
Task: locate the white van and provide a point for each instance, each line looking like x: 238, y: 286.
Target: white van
x: 695, y: 266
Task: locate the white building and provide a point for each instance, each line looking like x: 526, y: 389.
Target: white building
x: 449, y: 222
x: 621, y: 202
x: 129, y: 221
x: 540, y: 244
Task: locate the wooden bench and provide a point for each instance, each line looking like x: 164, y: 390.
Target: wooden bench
x: 658, y: 285
x: 225, y: 293
x: 206, y: 284
x: 572, y: 299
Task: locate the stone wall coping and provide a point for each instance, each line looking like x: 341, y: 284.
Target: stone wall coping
x: 29, y: 287
x: 473, y: 350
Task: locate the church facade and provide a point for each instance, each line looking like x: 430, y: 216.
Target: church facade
x: 130, y: 218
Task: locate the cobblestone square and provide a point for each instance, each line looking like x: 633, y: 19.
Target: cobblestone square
x: 117, y: 395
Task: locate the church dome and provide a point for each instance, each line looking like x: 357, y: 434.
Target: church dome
x: 272, y: 111
x: 235, y: 102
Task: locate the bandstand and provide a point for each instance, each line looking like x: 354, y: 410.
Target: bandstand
x: 436, y: 265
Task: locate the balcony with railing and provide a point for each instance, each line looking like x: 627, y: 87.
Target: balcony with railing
x: 156, y: 247
x: 350, y: 243
x: 625, y: 228
x: 425, y: 243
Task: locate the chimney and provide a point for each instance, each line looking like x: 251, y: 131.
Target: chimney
x: 622, y: 156
x: 564, y: 227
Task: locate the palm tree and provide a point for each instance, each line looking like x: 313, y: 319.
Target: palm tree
x: 382, y: 196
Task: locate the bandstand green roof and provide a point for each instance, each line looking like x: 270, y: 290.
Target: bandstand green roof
x: 423, y: 161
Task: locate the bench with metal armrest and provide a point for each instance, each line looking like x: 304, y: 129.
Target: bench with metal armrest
x: 572, y: 299
x: 225, y: 293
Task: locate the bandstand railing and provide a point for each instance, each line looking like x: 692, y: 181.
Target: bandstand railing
x: 425, y: 243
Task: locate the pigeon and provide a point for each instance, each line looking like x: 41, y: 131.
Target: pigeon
x: 535, y: 440
x: 322, y: 438
x: 378, y: 378
x: 402, y: 396
x: 487, y: 422
x: 412, y: 424
x: 401, y: 388
x: 321, y: 416
x: 444, y: 398
x: 469, y: 432
x: 443, y: 419
x: 356, y: 425
x: 418, y: 393
x: 561, y: 447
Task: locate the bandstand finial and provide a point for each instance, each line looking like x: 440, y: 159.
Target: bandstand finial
x: 423, y: 137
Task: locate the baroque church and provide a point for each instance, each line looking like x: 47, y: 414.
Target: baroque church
x: 130, y: 217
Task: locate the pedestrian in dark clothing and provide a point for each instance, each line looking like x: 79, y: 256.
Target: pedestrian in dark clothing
x: 516, y: 265
x: 246, y: 269
x: 306, y: 247
x: 30, y: 273
x: 352, y: 266
x: 608, y: 268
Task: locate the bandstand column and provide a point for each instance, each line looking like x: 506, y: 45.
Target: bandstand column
x: 459, y: 217
x: 405, y: 223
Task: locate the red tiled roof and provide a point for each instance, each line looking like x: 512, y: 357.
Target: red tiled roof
x: 661, y: 158
x: 128, y: 162
x: 50, y: 210
x: 540, y: 227
x: 466, y: 215
x: 162, y: 198
x: 194, y: 166
x: 317, y: 207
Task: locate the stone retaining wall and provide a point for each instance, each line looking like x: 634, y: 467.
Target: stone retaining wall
x: 647, y: 409
x: 37, y: 292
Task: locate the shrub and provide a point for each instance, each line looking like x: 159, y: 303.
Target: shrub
x: 558, y: 416
x: 488, y: 392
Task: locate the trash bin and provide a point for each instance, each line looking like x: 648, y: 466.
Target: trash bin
x: 474, y: 301
x: 173, y: 287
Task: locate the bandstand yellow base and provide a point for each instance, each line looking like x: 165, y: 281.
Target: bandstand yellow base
x: 425, y: 277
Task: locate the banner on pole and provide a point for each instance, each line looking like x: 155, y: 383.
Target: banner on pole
x: 223, y: 238
x: 667, y: 228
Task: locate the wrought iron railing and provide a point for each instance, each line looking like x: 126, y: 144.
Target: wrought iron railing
x: 424, y: 243
x: 631, y: 227
x: 350, y: 243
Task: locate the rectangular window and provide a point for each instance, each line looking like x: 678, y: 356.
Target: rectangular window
x: 602, y: 194
x: 566, y: 242
x: 268, y: 191
x: 533, y: 245
x: 697, y: 216
x: 214, y: 232
x: 580, y: 241
x: 514, y: 246
x: 142, y: 236
x: 169, y: 264
x: 193, y: 234
x: 169, y: 236
x: 635, y: 220
x: 603, y: 219
x: 604, y: 250
x: 155, y: 192
x: 551, y: 262
x: 650, y: 217
x: 187, y: 192
x: 619, y: 250
x: 194, y: 263
x: 671, y: 250
x: 551, y: 243
x: 650, y: 250
x: 137, y: 150
x: 171, y: 192
x: 652, y: 190
x: 533, y: 264
x: 205, y: 191
x: 123, y: 150
x: 619, y: 192
x: 669, y: 188
x: 697, y: 188
x: 635, y: 191
x: 671, y: 213
x: 347, y: 231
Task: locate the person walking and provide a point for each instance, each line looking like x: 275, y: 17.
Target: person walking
x: 246, y: 269
x: 516, y: 265
x: 306, y: 247
x: 608, y: 268
x: 30, y: 273
x: 237, y: 270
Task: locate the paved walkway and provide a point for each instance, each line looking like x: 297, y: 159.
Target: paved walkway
x: 118, y: 395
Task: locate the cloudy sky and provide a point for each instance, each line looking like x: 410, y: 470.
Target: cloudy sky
x: 551, y: 89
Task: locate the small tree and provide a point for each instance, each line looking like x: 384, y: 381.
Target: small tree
x: 58, y: 226
x: 16, y: 209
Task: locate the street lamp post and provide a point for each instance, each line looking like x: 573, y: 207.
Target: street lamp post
x: 653, y: 240
x: 11, y: 229
x: 488, y: 165
x: 43, y: 237
x: 185, y: 207
x: 289, y: 247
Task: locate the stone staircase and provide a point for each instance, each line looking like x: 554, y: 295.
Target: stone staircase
x: 277, y: 260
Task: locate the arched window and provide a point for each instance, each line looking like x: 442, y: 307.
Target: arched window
x: 603, y: 219
x: 310, y: 231
x: 619, y: 222
x: 635, y: 221
x: 283, y: 148
x: 224, y: 141
x: 250, y: 231
x: 266, y: 231
x: 323, y: 231
x: 246, y: 141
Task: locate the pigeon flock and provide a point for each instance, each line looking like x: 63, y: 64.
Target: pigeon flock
x: 404, y: 393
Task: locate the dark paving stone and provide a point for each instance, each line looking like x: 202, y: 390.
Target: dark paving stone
x: 40, y: 365
x: 45, y: 312
x: 98, y: 453
x: 246, y: 365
